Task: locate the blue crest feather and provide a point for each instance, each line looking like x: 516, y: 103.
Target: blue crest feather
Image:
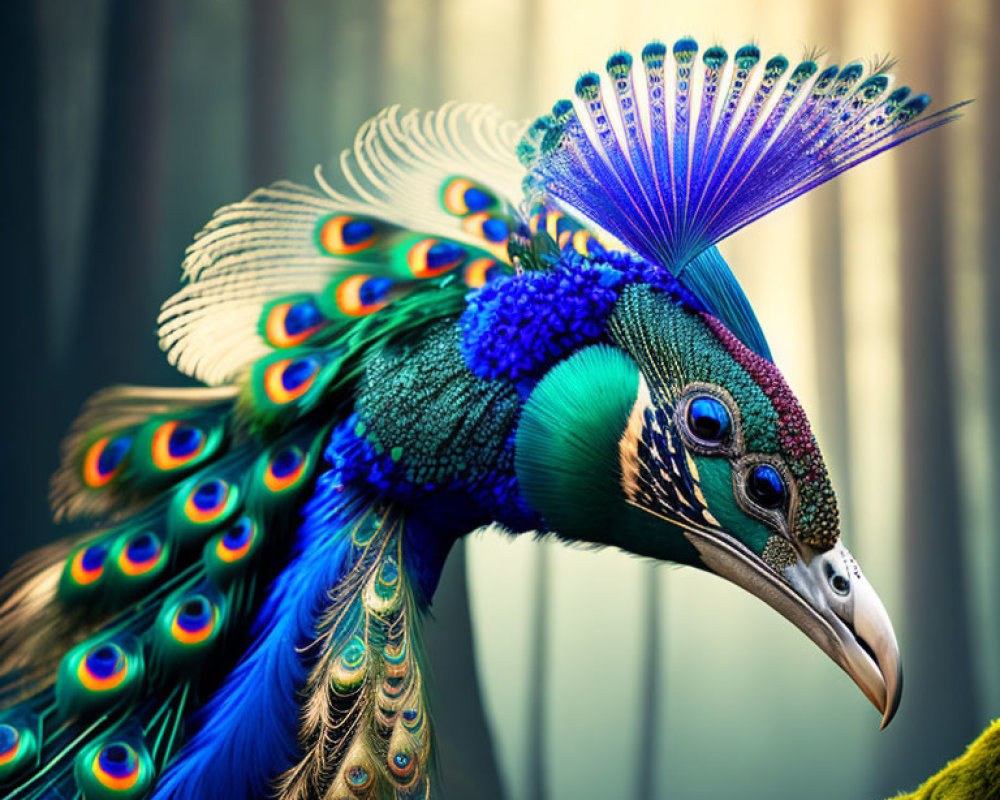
x: 678, y: 160
x: 708, y: 277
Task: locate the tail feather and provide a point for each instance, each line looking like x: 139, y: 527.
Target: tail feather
x: 34, y: 631
x: 112, y: 642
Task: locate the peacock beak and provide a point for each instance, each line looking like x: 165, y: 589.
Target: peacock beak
x: 828, y: 598
x: 864, y: 643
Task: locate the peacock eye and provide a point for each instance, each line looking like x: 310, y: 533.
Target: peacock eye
x: 766, y: 487
x: 708, y: 419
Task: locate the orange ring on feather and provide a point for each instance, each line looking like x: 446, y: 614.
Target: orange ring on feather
x: 454, y: 197
x: 202, y: 515
x: 160, y: 449
x: 331, y: 236
x: 92, y: 474
x: 402, y: 770
x: 110, y: 781
x: 475, y: 224
x: 279, y: 483
x: 277, y: 332
x: 95, y: 684
x: 136, y: 568
x: 81, y: 575
x: 234, y: 554
x: 552, y: 224
x: 416, y: 260
x: 476, y: 272
x: 194, y: 637
x: 581, y: 242
x: 275, y: 387
x: 349, y: 297
x: 13, y: 750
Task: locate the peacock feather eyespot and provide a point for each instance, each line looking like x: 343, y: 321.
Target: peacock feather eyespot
x: 194, y: 620
x: 87, y: 565
x: 104, y: 667
x: 747, y: 56
x: 493, y: 229
x: 460, y: 196
x: 360, y: 295
x: 685, y: 50
x: 119, y: 768
x: 175, y: 444
x: 714, y: 57
x: 618, y: 65
x: 208, y: 501
x: 429, y: 258
x: 285, y: 469
x: 116, y: 766
x: 358, y: 777
x: 394, y: 655
x: 97, y: 673
x: 480, y: 271
x: 291, y: 323
x: 588, y: 87
x: 653, y: 54
x: 776, y: 67
x: 229, y: 553
x: 236, y: 541
x: 142, y: 554
x: 413, y: 719
x: 18, y: 748
x: 288, y: 379
x: 104, y: 459
x: 10, y: 742
x: 349, y: 671
x: 402, y: 765
x: 344, y: 235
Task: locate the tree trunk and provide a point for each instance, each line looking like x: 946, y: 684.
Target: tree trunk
x: 116, y: 323
x: 937, y: 715
x: 465, y: 747
x: 266, y: 84
x: 25, y: 401
x: 537, y: 691
x: 990, y: 111
x: 652, y: 677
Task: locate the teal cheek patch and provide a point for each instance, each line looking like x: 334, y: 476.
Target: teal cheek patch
x: 716, y: 478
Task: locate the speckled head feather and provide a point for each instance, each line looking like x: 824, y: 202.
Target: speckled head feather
x: 815, y: 520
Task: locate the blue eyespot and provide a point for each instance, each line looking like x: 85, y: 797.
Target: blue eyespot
x: 708, y: 419
x: 766, y: 487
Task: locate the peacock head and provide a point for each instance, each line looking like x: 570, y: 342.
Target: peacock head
x: 673, y: 440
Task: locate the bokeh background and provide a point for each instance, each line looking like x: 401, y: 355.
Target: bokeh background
x: 565, y: 674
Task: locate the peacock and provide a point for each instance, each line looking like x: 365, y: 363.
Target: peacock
x: 477, y: 322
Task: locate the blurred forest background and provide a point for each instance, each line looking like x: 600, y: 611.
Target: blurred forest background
x: 569, y: 675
